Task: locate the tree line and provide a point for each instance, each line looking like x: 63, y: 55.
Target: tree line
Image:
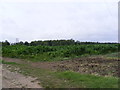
x: 51, y: 43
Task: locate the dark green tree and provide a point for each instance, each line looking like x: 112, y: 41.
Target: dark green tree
x: 26, y: 43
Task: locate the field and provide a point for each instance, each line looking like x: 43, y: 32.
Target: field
x: 56, y: 53
x: 75, y: 66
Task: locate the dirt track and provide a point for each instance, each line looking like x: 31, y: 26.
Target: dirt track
x: 17, y: 80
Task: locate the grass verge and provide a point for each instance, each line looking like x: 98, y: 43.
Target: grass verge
x: 11, y: 63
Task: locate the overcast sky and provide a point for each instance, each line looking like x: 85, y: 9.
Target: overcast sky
x: 79, y: 20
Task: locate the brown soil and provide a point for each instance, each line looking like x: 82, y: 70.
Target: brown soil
x: 89, y: 65
x: 96, y: 66
x: 20, y: 61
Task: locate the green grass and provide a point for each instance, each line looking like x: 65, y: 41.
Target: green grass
x: 0, y: 61
x: 115, y: 55
x: 4, y: 62
x: 67, y: 79
x: 89, y: 81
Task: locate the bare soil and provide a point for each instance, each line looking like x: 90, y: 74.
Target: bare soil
x: 88, y: 65
x: 95, y: 66
x: 17, y: 80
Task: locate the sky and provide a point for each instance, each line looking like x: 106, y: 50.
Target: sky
x: 83, y: 20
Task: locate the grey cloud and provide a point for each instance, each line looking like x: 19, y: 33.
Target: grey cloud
x: 80, y: 21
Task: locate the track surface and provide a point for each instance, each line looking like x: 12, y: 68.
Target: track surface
x: 17, y: 80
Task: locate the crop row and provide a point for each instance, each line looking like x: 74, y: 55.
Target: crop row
x: 22, y: 51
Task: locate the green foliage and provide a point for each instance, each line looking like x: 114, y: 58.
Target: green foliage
x: 48, y: 53
x: 6, y: 43
x: 53, y: 42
